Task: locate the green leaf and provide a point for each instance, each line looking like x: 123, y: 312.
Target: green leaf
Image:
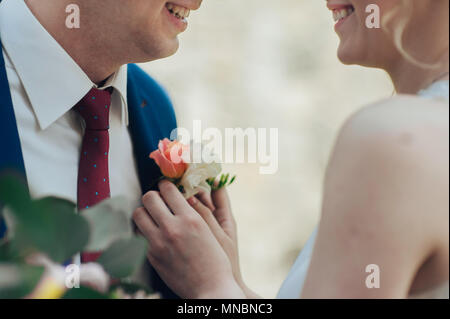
x: 222, y: 182
x: 17, y: 281
x: 48, y: 225
x: 13, y: 189
x: 14, y: 194
x: 109, y: 221
x: 83, y: 293
x: 210, y: 181
x: 10, y: 222
x: 6, y: 253
x: 124, y: 257
x: 51, y: 226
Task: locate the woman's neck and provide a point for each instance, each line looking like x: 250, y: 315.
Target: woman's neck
x: 410, y: 78
x: 422, y: 56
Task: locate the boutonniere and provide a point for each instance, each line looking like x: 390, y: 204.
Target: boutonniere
x: 173, y: 159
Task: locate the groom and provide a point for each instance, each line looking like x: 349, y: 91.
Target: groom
x: 77, y: 120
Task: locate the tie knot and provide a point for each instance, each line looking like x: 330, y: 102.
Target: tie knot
x: 94, y: 109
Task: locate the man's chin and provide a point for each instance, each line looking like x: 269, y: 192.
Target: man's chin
x: 153, y: 53
x: 172, y: 49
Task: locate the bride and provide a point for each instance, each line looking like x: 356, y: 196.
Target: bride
x: 385, y: 205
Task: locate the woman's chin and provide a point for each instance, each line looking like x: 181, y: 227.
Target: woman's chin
x: 348, y: 55
x: 345, y: 57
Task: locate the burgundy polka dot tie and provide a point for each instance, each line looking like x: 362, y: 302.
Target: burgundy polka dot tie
x: 93, y: 173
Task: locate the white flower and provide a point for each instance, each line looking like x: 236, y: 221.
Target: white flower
x: 93, y: 275
x: 194, y: 179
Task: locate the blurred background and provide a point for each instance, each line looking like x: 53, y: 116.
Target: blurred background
x: 265, y: 64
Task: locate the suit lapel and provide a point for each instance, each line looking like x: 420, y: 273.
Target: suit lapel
x: 151, y: 119
x: 11, y: 158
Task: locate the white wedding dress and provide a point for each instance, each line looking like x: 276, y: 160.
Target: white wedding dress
x: 293, y: 285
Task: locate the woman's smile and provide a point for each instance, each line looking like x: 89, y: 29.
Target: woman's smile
x: 341, y: 15
x: 341, y: 10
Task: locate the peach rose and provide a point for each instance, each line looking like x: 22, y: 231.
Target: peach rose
x: 168, y: 157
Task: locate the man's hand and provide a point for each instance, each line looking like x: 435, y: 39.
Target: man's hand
x: 215, y: 210
x: 182, y: 248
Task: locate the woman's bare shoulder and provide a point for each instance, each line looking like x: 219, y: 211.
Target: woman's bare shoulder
x: 403, y: 113
x: 386, y: 191
x: 404, y: 124
x: 396, y: 146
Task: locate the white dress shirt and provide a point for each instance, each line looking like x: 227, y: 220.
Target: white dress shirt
x: 45, y: 84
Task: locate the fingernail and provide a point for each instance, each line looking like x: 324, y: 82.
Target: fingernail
x: 192, y: 201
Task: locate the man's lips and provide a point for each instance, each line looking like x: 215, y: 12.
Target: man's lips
x: 180, y: 24
x: 191, y: 5
x: 178, y: 11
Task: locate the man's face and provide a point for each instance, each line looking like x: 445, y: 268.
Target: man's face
x: 148, y: 29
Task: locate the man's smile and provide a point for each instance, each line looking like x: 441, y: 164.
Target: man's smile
x: 178, y: 14
x: 178, y: 11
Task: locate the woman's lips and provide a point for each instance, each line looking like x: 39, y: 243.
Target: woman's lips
x: 338, y: 4
x: 341, y: 14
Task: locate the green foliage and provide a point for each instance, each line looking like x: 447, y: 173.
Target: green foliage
x: 109, y: 221
x: 48, y: 225
x: 51, y: 226
x: 222, y: 182
x: 17, y: 281
x: 123, y: 257
x: 84, y: 293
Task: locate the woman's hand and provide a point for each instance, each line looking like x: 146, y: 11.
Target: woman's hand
x: 182, y: 248
x: 215, y: 209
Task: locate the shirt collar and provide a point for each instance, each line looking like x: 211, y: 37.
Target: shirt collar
x: 53, y: 81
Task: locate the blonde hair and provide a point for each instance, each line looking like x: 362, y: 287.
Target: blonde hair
x: 399, y: 18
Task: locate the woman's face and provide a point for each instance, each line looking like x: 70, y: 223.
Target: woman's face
x: 359, y: 43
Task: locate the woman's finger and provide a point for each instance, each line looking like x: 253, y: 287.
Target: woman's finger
x: 205, y: 198
x: 223, y: 208
x: 207, y: 216
x: 157, y: 208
